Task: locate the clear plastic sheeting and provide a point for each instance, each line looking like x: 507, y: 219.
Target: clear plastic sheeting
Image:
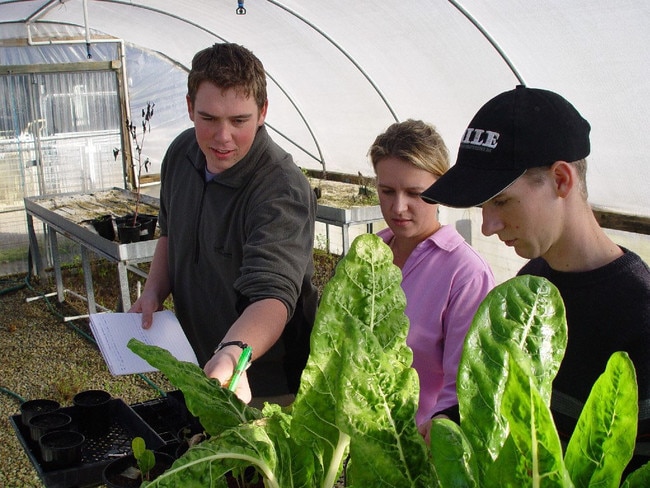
x: 340, y: 72
x: 151, y: 78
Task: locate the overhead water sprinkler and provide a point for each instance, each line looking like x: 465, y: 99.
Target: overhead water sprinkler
x: 240, y: 8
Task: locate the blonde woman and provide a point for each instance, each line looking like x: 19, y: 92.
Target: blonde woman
x: 444, y: 279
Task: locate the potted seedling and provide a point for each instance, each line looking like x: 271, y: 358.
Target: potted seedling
x: 145, y: 457
x: 134, y: 469
x: 130, y: 226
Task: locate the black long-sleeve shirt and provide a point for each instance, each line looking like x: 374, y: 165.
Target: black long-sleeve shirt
x: 607, y: 310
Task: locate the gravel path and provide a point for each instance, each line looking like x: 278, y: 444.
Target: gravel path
x: 43, y: 357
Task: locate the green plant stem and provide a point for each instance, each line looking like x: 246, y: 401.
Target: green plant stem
x: 337, y: 458
x: 270, y: 479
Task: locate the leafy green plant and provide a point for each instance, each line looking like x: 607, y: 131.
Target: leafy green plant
x: 358, y: 398
x: 145, y: 457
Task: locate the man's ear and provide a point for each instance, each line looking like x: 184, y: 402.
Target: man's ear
x: 262, y: 117
x: 564, y: 177
x: 190, y: 108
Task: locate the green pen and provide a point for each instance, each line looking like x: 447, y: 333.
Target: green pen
x: 242, y: 364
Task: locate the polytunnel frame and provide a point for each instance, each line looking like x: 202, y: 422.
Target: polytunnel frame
x: 280, y: 87
x: 33, y: 18
x: 612, y: 220
x: 320, y: 158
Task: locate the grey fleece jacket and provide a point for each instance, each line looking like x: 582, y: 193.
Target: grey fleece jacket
x: 244, y: 236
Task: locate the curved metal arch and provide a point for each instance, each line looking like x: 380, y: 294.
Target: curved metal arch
x: 489, y: 38
x: 320, y: 158
x: 276, y: 3
x: 341, y: 50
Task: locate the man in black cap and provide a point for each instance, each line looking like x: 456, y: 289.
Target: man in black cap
x: 522, y: 159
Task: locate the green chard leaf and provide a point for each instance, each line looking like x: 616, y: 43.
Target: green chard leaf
x: 603, y: 440
x: 217, y: 407
x: 358, y: 391
x: 538, y: 447
x: 358, y: 396
x: 639, y: 478
x: 378, y: 414
x: 261, y: 443
x: 523, y: 317
x: 507, y: 470
x: 452, y: 456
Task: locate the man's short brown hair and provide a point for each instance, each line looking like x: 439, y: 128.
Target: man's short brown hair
x: 227, y: 66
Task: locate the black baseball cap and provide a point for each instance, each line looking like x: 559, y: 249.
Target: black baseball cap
x: 516, y: 130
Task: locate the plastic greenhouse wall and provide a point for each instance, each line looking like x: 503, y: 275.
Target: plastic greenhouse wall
x: 58, y: 132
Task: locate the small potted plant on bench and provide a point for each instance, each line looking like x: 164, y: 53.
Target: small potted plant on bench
x: 130, y: 227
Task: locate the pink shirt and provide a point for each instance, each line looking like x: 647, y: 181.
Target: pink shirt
x: 444, y: 280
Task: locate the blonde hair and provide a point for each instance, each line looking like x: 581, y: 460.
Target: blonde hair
x: 414, y: 141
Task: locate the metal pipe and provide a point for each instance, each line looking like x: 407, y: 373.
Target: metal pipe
x: 202, y: 28
x: 85, y: 4
x: 490, y: 39
x: 343, y: 51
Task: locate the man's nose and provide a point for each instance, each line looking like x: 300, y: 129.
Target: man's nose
x: 221, y: 132
x: 491, y: 222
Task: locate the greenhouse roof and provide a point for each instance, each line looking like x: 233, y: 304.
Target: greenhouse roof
x: 340, y: 72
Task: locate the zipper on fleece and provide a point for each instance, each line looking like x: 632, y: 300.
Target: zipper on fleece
x: 197, y: 243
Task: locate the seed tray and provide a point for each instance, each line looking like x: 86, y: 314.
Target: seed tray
x: 96, y: 452
x: 166, y: 415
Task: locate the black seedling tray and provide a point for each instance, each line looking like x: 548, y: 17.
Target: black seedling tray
x: 166, y: 415
x: 96, y: 452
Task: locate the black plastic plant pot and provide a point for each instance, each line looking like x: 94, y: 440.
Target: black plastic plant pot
x: 31, y: 408
x: 189, y: 436
x: 46, y: 422
x: 127, y: 232
x: 94, y: 412
x: 124, y: 473
x: 104, y: 226
x: 147, y: 226
x: 61, y: 448
x: 124, y: 219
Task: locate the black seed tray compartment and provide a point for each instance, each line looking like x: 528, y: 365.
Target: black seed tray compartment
x: 96, y: 452
x: 166, y: 415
